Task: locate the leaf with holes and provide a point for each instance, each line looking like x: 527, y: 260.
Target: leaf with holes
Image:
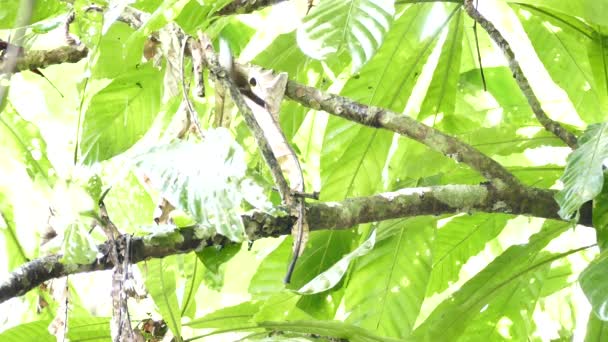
x: 206, y: 180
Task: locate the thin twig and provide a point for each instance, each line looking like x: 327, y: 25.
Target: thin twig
x: 185, y: 91
x: 549, y: 124
x: 483, y: 77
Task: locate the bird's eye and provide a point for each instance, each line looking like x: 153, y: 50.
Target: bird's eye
x: 253, y: 82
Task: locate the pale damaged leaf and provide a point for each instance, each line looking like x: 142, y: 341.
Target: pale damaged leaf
x: 204, y: 179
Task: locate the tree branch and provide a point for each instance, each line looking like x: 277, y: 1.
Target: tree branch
x: 40, y: 59
x: 246, y: 6
x: 404, y: 125
x: 550, y: 125
x: 404, y: 203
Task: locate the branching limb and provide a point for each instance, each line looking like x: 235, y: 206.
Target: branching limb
x: 550, y: 125
x: 404, y: 203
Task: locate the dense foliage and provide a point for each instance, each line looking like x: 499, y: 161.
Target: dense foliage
x: 466, y: 203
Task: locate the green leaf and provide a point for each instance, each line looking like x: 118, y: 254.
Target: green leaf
x: 510, y: 287
x: 594, y: 282
x: 282, y: 307
x: 324, y: 249
x: 227, y: 318
x: 37, y: 331
x: 22, y: 140
x: 335, y: 25
x: 194, y: 273
x: 590, y: 10
x: 583, y: 178
x: 458, y: 240
x: 120, y: 114
x: 597, y: 330
x: 598, y: 58
x: 210, y: 187
x: 14, y: 253
x: 564, y: 39
x: 268, y: 279
x: 441, y: 94
x: 329, y: 278
x: 78, y: 245
x: 387, y: 286
x: 43, y: 9
x: 113, y: 57
x: 89, y: 328
x: 160, y: 282
x: 600, y: 217
x: 353, y: 156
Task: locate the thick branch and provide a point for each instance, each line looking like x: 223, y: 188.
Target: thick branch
x: 40, y: 59
x: 550, y: 125
x: 405, y: 125
x: 329, y: 215
x: 246, y: 6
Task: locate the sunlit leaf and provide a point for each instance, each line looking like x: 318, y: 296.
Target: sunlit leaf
x: 594, y: 282
x: 583, y: 178
x: 561, y: 42
x: 335, y: 25
x: 510, y: 286
x: 15, y: 255
x: 204, y: 179
x: 161, y: 284
x: 120, y: 114
x: 228, y: 317
x: 388, y: 285
x: 78, y: 245
x: 458, y: 240
x: 25, y: 143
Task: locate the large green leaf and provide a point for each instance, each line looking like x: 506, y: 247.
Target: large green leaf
x: 353, y: 156
x: 194, y: 272
x: 597, y: 329
x: 120, y: 114
x: 241, y: 318
x: 43, y: 9
x: 593, y: 11
x: 563, y: 38
x: 14, y: 253
x: 37, y: 330
x: 441, y: 94
x: 458, y: 240
x: 160, y: 280
x: 21, y: 139
x: 583, y: 178
x: 78, y: 245
x: 509, y: 287
x: 387, y: 286
x: 335, y: 25
x: 328, y: 279
x: 228, y: 317
x: 594, y: 282
x: 597, y: 51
